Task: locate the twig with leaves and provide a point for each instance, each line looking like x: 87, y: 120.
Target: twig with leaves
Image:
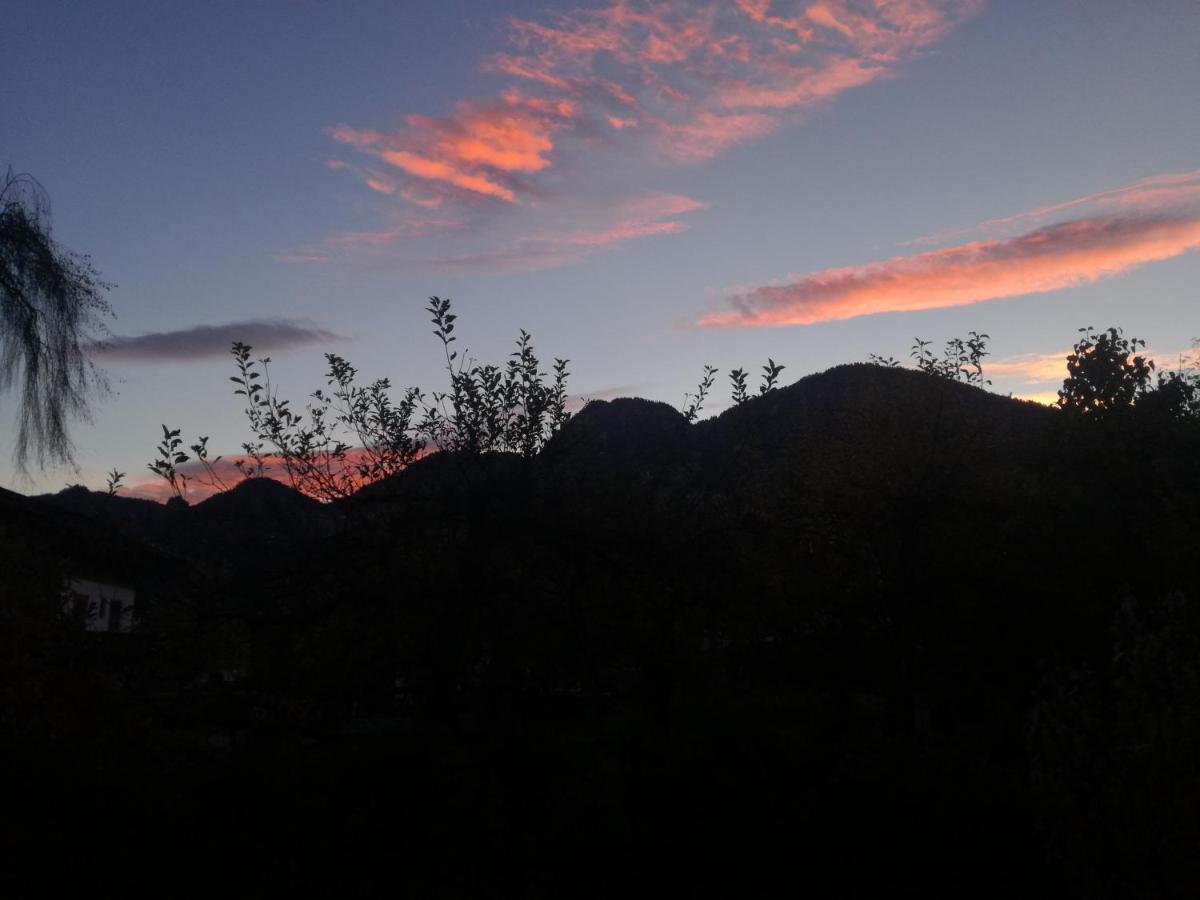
x: 691, y: 411
x: 170, y: 457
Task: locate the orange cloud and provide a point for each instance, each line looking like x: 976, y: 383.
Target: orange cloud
x: 381, y: 185
x: 712, y: 75
x: 434, y: 170
x: 1033, y: 368
x: 472, y: 149
x: 664, y: 81
x: 1048, y: 259
x: 513, y: 136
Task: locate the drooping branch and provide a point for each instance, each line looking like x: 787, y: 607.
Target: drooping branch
x: 51, y: 306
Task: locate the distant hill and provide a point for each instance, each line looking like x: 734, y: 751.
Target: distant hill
x: 81, y: 545
x: 255, y: 515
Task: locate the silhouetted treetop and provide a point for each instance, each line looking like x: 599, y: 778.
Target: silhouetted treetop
x: 1104, y: 372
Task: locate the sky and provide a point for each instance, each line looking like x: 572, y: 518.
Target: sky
x: 646, y: 187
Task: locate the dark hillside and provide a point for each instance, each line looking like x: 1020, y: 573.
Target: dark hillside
x: 876, y: 628
x: 229, y: 529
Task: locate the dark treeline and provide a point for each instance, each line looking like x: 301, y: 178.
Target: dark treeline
x: 876, y: 633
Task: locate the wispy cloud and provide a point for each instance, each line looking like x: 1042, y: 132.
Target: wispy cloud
x: 508, y: 260
x: 602, y: 223
x: 477, y: 149
x: 1156, y: 193
x: 596, y: 93
x: 207, y: 341
x: 407, y: 228
x: 1152, y: 220
x: 567, y: 234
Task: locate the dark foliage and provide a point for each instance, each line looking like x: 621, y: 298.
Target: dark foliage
x: 1105, y: 373
x: 874, y: 633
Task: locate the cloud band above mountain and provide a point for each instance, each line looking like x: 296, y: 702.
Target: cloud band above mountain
x: 1128, y: 229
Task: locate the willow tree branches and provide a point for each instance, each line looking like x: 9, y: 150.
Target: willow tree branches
x: 51, y: 306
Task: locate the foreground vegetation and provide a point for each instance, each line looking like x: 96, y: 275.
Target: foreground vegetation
x: 876, y: 632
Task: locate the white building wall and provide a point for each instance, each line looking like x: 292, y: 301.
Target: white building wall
x: 109, y: 607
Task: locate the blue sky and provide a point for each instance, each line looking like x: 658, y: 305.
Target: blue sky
x: 607, y: 176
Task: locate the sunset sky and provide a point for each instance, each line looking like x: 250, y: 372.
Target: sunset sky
x: 647, y: 187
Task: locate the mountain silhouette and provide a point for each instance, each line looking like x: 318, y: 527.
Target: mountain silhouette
x: 873, y: 615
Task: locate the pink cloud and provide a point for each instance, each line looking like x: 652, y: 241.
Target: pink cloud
x: 435, y: 170
x: 625, y: 231
x: 381, y: 185
x: 654, y: 81
x: 475, y: 147
x: 1154, y: 220
x: 1157, y: 192
x: 703, y: 73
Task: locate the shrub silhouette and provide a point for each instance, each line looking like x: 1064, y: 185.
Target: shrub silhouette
x: 1105, y: 373
x: 350, y: 435
x: 741, y: 391
x: 691, y: 410
x: 490, y: 408
x: 961, y: 360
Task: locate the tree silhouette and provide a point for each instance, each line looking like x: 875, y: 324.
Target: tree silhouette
x: 51, y: 305
x: 1104, y: 372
